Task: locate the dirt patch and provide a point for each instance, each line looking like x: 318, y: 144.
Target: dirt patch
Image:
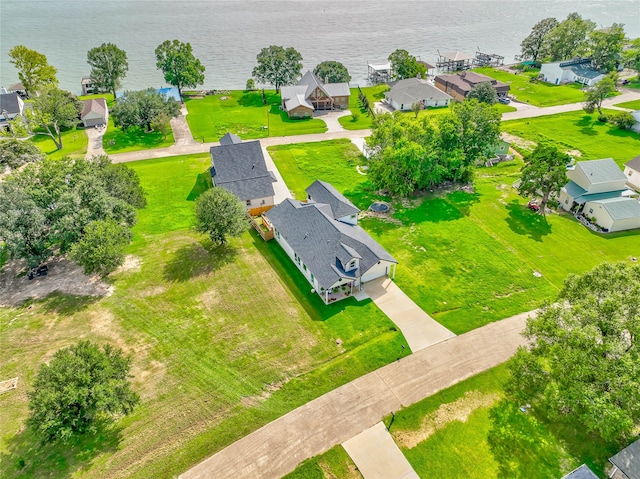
x: 131, y: 264
x: 8, y: 385
x: 574, y: 153
x: 63, y: 276
x: 152, y: 291
x: 519, y: 142
x: 459, y: 410
x: 352, y: 471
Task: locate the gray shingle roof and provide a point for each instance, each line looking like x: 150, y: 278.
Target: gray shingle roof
x: 634, y: 163
x: 94, y: 105
x: 230, y: 139
x: 601, y: 171
x: 241, y: 169
x: 583, y: 472
x: 628, y: 460
x: 296, y: 95
x: 621, y: 208
x: 9, y: 102
x: 411, y: 90
x: 323, y: 192
x: 323, y: 244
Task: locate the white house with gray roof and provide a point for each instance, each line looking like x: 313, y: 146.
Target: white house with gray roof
x: 571, y: 71
x: 334, y: 254
x: 626, y: 464
x: 241, y: 169
x: 405, y: 93
x: 598, y: 191
x: 310, y: 94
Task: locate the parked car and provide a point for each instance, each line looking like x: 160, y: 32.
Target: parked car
x: 504, y: 100
x: 533, y: 206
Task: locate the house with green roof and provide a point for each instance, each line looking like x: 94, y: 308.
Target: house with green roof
x: 597, y: 189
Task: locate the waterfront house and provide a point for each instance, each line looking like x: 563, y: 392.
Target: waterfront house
x: 241, y: 169
x: 311, y: 94
x: 94, y: 112
x: 323, y: 239
x: 460, y: 84
x: 11, y: 106
x: 571, y: 71
x: 405, y: 93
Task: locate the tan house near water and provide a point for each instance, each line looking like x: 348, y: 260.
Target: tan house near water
x: 311, y: 94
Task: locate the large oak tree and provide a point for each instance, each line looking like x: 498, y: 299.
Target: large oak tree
x: 544, y: 172
x: 584, y: 360
x: 278, y: 66
x: 178, y: 64
x: 33, y: 68
x: 108, y: 67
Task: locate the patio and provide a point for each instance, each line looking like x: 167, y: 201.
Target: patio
x: 343, y: 291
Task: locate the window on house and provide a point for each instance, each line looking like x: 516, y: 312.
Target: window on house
x: 304, y: 266
x: 248, y: 202
x: 312, y: 278
x: 590, y: 210
x: 352, y: 264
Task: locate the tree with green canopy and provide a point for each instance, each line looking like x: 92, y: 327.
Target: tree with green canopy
x: 544, y: 172
x: 14, y: 153
x: 278, y: 66
x: 81, y: 385
x: 102, y: 247
x: 595, y: 95
x: 142, y: 108
x: 569, y: 38
x: 583, y: 363
x: 220, y: 214
x: 605, y: 47
x: 33, y: 68
x: 484, y: 93
x: 534, y: 46
x: 479, y: 129
x: 332, y: 72
x: 109, y: 66
x: 179, y: 66
x: 52, y: 111
x: 404, y: 65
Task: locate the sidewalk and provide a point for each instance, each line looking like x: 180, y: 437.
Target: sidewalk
x: 277, y: 448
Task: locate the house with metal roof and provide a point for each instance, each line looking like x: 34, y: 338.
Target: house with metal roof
x: 311, y: 94
x: 460, y: 84
x: 241, y: 169
x: 94, y: 112
x: 597, y: 190
x: 11, y: 106
x: 405, y: 93
x: 578, y: 70
x: 626, y: 464
x: 632, y: 173
x: 324, y: 241
x: 582, y: 472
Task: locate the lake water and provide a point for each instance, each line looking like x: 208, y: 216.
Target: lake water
x: 228, y: 34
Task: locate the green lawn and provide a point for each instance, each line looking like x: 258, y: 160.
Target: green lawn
x: 117, y: 141
x: 74, y: 144
x: 536, y: 93
x: 374, y: 94
x: 224, y: 340
x: 633, y: 105
x: 470, y: 431
x: 335, y: 463
x: 465, y: 258
x: 579, y: 131
x: 243, y: 113
x: 333, y: 161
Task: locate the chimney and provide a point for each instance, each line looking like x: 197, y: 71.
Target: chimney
x: 326, y: 79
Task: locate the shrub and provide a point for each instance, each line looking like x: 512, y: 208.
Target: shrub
x: 623, y: 120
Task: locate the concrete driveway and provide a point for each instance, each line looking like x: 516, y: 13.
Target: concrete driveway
x: 419, y: 329
x: 94, y: 146
x: 377, y: 455
x: 277, y: 448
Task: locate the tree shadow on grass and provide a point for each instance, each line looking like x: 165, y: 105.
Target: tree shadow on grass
x: 202, y: 184
x: 432, y: 210
x: 463, y: 200
x: 197, y: 259
x: 25, y: 456
x: 66, y: 304
x: 525, y: 222
x: 520, y: 444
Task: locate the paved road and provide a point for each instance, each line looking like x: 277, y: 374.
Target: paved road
x: 194, y: 147
x: 377, y: 455
x: 277, y: 448
x: 419, y: 329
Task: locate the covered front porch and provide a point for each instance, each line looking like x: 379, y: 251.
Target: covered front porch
x: 339, y: 292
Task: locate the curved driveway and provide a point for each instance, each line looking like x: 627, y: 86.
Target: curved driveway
x: 277, y: 448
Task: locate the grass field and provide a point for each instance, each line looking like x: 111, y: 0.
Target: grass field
x: 373, y: 94
x: 243, y: 113
x: 335, y: 463
x: 536, y: 93
x: 471, y: 431
x: 74, y: 144
x: 224, y: 340
x: 633, y: 105
x: 117, y: 141
x: 579, y: 131
x: 467, y: 258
